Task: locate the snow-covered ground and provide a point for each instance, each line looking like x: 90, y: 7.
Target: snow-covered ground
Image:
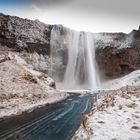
x: 23, y: 89
x: 132, y: 79
x: 117, y: 118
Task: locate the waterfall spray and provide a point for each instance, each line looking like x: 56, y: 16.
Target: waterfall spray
x: 73, y: 55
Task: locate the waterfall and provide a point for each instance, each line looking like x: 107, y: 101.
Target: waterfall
x: 73, y: 59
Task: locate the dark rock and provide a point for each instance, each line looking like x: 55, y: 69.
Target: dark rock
x: 116, y: 54
x: 119, y: 55
x: 24, y: 35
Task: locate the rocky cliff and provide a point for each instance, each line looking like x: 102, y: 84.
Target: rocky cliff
x: 116, y: 53
x: 23, y: 34
x: 23, y: 89
x: 30, y: 39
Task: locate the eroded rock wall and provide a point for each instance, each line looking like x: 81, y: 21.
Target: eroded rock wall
x: 24, y: 35
x: 118, y: 54
x: 30, y: 39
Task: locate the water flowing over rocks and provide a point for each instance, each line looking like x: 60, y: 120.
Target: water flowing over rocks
x: 73, y: 58
x: 116, y: 54
x: 32, y: 52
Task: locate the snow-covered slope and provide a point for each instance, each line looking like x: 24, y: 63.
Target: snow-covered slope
x: 116, y: 119
x: 132, y: 79
x: 22, y: 88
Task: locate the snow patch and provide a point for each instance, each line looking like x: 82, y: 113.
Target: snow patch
x: 132, y: 79
x: 120, y: 121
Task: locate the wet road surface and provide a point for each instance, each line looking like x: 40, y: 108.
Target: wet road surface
x: 58, y: 121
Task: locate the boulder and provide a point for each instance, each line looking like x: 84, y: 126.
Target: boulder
x: 51, y: 82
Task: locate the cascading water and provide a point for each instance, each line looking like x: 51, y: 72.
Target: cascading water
x: 73, y: 59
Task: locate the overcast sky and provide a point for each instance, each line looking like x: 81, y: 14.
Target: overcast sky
x: 87, y: 15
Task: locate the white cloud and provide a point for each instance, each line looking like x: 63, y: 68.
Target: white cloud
x: 36, y: 8
x: 88, y: 15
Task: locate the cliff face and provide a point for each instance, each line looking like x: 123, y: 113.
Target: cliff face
x: 30, y: 39
x: 23, y: 34
x: 116, y: 53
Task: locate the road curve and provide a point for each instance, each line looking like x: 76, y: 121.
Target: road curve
x: 58, y: 121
